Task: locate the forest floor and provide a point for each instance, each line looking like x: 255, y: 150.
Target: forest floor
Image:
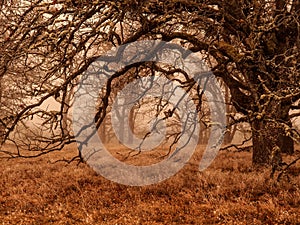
x: 231, y: 191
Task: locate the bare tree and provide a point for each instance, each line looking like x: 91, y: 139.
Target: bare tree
x: 251, y: 45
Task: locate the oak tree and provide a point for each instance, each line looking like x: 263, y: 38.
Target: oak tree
x: 251, y: 45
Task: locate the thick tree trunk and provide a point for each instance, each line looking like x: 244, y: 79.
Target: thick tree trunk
x: 285, y: 143
x: 263, y: 142
x: 270, y: 139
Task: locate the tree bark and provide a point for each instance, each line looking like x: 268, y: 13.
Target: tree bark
x: 268, y: 134
x: 263, y: 142
x: 286, y: 143
x: 229, y: 135
x: 131, y: 125
x: 102, y: 132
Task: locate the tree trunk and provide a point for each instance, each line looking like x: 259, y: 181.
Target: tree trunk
x: 263, y: 142
x: 67, y: 104
x: 2, y: 132
x: 285, y: 142
x: 229, y: 135
x: 102, y: 132
x: 270, y: 138
x: 131, y: 126
x: 2, y: 127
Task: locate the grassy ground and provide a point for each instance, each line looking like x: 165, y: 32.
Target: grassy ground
x: 231, y: 191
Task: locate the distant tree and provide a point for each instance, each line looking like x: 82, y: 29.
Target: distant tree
x: 251, y: 45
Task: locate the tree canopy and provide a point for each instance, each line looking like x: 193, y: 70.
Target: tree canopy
x: 252, y: 46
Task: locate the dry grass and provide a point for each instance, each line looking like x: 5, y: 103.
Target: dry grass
x: 231, y: 191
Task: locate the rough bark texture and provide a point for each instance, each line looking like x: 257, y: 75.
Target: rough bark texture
x: 270, y: 137
x: 262, y: 143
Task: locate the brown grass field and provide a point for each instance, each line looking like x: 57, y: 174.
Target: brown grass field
x: 231, y: 191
